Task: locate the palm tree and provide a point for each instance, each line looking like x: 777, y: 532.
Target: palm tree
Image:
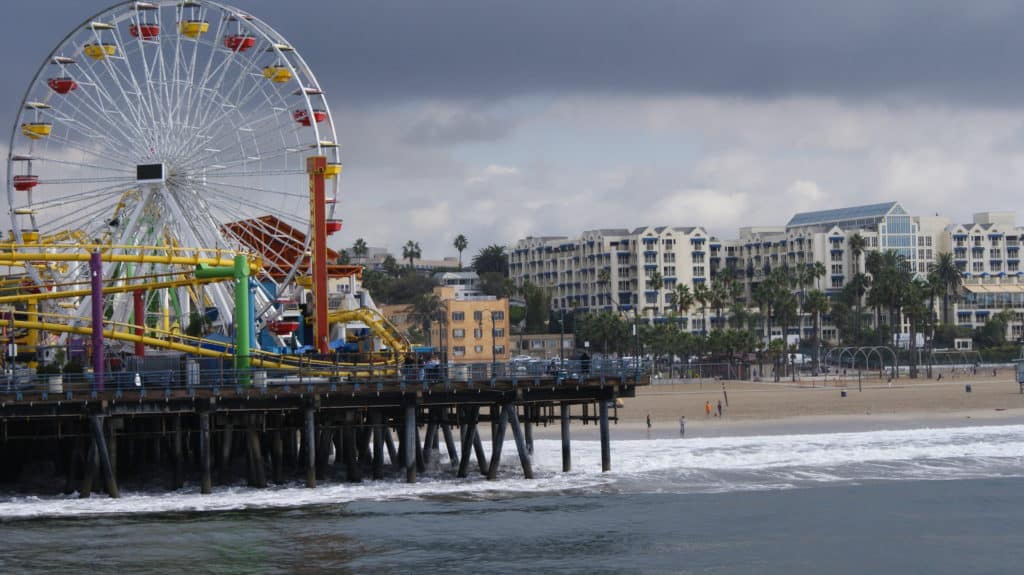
x: 857, y: 246
x: 411, y: 251
x: 948, y: 281
x: 428, y: 307
x: 360, y: 249
x: 702, y: 295
x: 816, y: 304
x: 913, y: 299
x: 681, y: 300
x: 461, y: 243
x: 491, y: 259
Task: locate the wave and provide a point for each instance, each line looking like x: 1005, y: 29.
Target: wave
x: 696, y: 465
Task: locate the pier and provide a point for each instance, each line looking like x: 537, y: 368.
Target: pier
x: 221, y: 427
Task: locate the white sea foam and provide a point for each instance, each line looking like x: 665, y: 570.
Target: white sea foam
x: 663, y: 465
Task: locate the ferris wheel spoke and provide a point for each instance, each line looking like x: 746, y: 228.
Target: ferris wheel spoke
x: 88, y: 117
x: 145, y: 111
x: 116, y: 117
x: 87, y: 195
x: 228, y: 201
x: 106, y: 154
x: 49, y: 160
x: 121, y: 124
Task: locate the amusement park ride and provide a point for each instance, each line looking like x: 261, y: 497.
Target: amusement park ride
x: 175, y: 162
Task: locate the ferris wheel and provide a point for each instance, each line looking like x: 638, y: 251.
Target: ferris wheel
x: 177, y: 124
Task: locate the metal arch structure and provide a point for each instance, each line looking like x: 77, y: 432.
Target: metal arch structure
x: 216, y: 96
x: 866, y: 353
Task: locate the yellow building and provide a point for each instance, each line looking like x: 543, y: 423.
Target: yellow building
x: 475, y: 328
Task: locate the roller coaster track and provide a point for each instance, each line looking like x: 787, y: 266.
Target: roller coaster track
x: 188, y: 259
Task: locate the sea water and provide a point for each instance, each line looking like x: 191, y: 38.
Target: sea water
x: 944, y: 500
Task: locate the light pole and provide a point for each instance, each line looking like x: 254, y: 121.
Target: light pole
x: 561, y: 337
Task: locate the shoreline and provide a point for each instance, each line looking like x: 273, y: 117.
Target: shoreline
x: 802, y: 407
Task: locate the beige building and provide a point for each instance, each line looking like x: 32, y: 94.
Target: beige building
x: 475, y: 329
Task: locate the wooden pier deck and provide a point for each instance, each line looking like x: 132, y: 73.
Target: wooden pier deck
x: 225, y: 430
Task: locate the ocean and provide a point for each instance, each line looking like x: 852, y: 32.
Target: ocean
x: 940, y: 500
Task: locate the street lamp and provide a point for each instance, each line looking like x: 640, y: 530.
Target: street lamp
x: 561, y: 336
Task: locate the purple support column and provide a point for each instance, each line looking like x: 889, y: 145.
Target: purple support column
x: 96, y: 273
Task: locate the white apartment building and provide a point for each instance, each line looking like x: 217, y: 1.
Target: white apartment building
x: 609, y: 269
x: 987, y: 251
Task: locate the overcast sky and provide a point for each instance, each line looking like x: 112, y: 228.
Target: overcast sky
x: 501, y: 119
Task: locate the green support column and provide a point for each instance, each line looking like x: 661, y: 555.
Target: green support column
x: 243, y: 338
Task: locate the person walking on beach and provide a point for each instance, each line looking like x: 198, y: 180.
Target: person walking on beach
x: 682, y: 425
x: 648, y: 421
x: 725, y: 395
x: 707, y: 408
x: 719, y: 408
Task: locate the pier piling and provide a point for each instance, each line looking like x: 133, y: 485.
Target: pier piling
x: 205, y: 482
x: 606, y: 452
x: 499, y: 439
x: 310, y: 447
x: 409, y: 442
x: 566, y: 448
x: 517, y: 433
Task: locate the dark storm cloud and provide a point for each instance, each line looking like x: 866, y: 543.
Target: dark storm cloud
x: 392, y: 50
x: 933, y: 49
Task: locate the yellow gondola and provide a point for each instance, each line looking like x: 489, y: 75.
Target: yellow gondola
x: 37, y: 130
x: 29, y: 236
x: 193, y: 28
x: 332, y: 170
x: 99, y: 51
x: 277, y: 74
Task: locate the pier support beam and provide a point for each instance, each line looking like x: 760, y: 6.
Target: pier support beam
x: 100, y: 441
x: 606, y: 452
x: 277, y: 455
x: 449, y: 442
x: 389, y: 443
x: 310, y: 440
x: 176, y: 449
x: 409, y: 443
x: 470, y: 438
x: 256, y: 467
x: 90, y: 472
x: 481, y: 457
x: 517, y: 433
x: 499, y: 439
x: 376, y: 418
x: 528, y: 413
x: 205, y: 482
x: 226, y: 439
x: 353, y: 472
x: 566, y: 449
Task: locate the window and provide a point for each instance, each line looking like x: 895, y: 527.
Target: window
x: 458, y: 333
x: 837, y: 283
x: 478, y: 315
x: 498, y: 332
x: 458, y: 315
x: 498, y: 315
x: 499, y: 349
x: 977, y: 267
x: 994, y: 254
x: 698, y: 258
x: 837, y: 269
x: 458, y: 351
x: 478, y: 333
x: 478, y: 348
x: 997, y: 266
x: 698, y: 271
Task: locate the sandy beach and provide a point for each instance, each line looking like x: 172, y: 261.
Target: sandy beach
x: 806, y: 406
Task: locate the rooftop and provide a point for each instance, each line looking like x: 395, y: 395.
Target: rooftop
x: 841, y: 214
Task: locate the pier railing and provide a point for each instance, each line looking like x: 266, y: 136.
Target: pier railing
x: 22, y: 383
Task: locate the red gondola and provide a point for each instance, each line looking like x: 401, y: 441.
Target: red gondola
x: 333, y: 226
x: 145, y: 31
x: 283, y: 327
x: 61, y: 85
x: 302, y: 116
x: 25, y: 183
x: 239, y: 43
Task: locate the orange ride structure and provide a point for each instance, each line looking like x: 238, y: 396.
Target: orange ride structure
x: 165, y: 155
